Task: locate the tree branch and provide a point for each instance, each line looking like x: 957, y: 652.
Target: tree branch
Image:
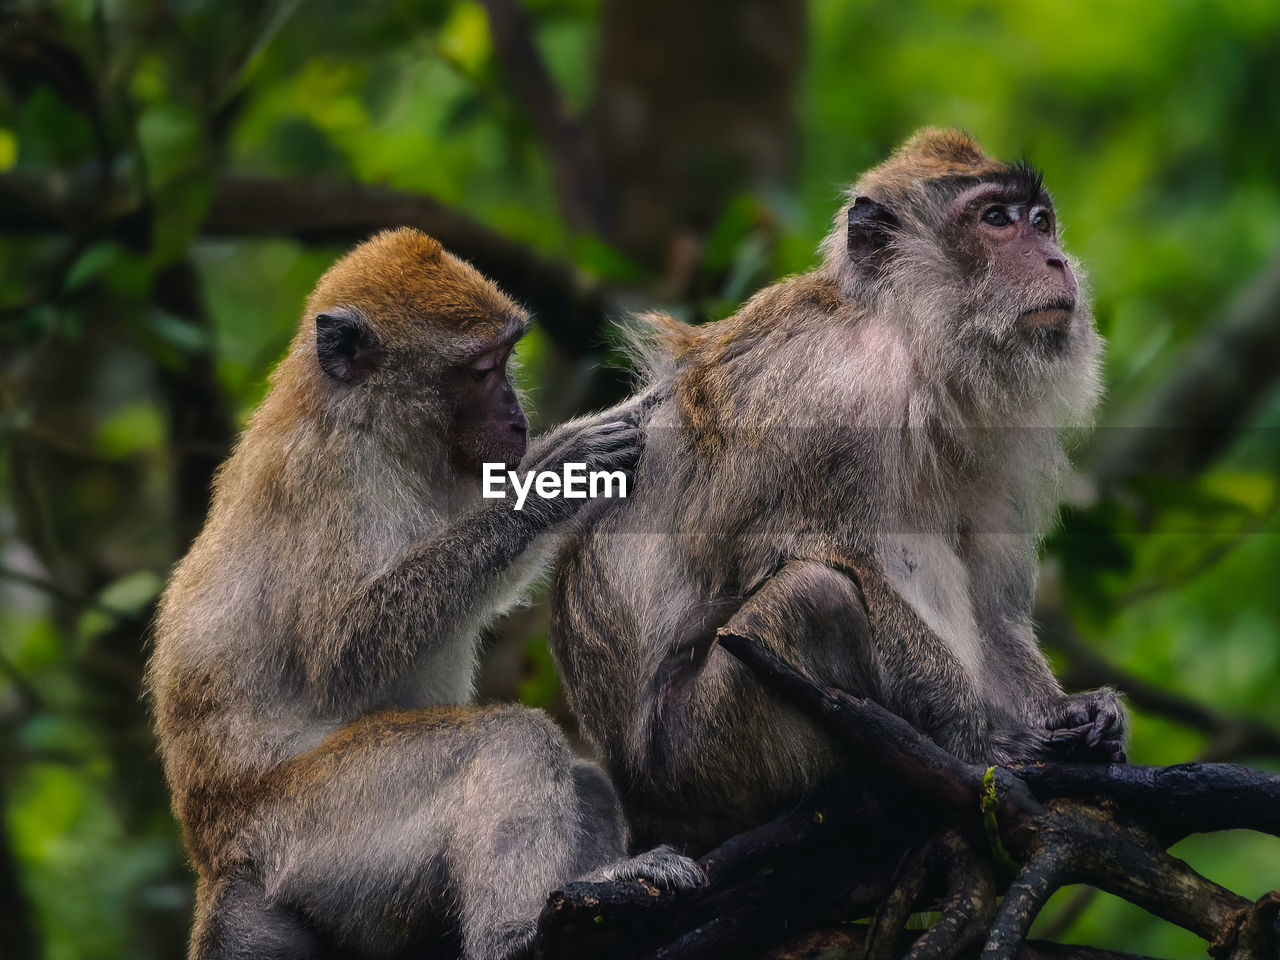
x: 1191, y: 419
x: 1053, y: 820
x: 571, y: 310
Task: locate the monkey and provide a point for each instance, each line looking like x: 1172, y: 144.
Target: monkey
x: 315, y: 650
x: 855, y: 470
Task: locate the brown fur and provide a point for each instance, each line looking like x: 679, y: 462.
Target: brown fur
x: 931, y: 154
x: 853, y: 470
x: 315, y: 649
x: 410, y: 282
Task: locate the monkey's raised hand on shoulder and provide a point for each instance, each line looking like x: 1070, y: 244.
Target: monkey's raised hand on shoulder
x: 603, y: 442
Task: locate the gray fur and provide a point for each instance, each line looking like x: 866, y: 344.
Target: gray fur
x: 315, y: 651
x: 888, y: 441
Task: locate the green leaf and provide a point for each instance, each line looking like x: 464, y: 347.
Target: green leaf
x: 8, y: 149
x: 132, y: 429
x: 133, y: 592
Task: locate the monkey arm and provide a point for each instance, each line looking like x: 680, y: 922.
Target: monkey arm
x: 440, y: 593
x: 1082, y: 726
x: 435, y: 595
x: 916, y: 673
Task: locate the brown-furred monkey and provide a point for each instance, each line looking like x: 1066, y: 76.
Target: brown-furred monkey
x: 315, y: 649
x: 853, y: 469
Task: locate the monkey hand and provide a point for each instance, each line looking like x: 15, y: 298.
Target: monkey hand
x: 1088, y: 726
x: 662, y: 866
x: 605, y: 442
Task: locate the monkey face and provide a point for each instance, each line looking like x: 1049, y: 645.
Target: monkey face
x: 972, y: 261
x: 488, y: 424
x: 966, y: 242
x: 1008, y: 230
x: 961, y: 253
x: 415, y: 340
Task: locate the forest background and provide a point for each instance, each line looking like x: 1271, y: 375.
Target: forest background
x: 175, y: 176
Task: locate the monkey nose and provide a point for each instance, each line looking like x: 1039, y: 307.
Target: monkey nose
x: 1061, y: 266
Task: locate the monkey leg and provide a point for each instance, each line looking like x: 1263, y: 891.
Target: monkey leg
x: 711, y: 752
x: 234, y: 921
x: 555, y: 828
x: 528, y: 829
x: 711, y: 728
x: 601, y: 840
x: 407, y: 820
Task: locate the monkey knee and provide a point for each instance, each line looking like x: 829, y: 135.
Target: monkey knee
x: 531, y: 733
x: 816, y: 609
x: 237, y: 922
x: 523, y: 751
x: 830, y: 595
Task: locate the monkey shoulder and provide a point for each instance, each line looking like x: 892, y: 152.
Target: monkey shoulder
x: 743, y: 366
x: 805, y: 293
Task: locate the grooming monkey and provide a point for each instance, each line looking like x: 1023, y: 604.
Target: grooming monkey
x: 316, y: 647
x: 854, y: 470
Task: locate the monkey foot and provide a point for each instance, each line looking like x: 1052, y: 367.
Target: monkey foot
x: 662, y: 866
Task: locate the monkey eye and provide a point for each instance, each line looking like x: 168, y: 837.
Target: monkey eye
x: 488, y: 365
x: 485, y: 369
x: 1040, y: 220
x: 996, y: 217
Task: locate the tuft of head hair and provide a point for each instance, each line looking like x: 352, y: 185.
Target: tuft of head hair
x: 930, y: 154
x: 407, y: 285
x: 654, y: 342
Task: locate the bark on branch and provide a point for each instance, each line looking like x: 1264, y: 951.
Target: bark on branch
x: 579, y: 182
x: 1054, y: 824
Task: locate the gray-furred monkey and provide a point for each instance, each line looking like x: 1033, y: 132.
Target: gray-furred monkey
x: 854, y: 469
x: 316, y: 647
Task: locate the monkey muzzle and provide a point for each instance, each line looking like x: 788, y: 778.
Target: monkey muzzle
x: 1053, y: 316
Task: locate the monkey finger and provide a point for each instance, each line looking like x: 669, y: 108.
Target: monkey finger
x: 623, y: 458
x: 626, y: 435
x: 617, y: 452
x: 1078, y: 714
x: 597, y: 439
x: 1102, y: 729
x: 610, y: 426
x: 1065, y: 734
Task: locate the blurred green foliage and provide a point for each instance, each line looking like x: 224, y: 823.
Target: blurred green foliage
x: 1156, y: 125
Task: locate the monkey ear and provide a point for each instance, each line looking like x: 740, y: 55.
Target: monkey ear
x: 346, y: 345
x: 870, y: 227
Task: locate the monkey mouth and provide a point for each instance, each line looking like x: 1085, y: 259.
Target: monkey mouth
x: 1053, y: 316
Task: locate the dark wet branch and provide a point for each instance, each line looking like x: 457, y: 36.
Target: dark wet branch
x: 1103, y: 825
